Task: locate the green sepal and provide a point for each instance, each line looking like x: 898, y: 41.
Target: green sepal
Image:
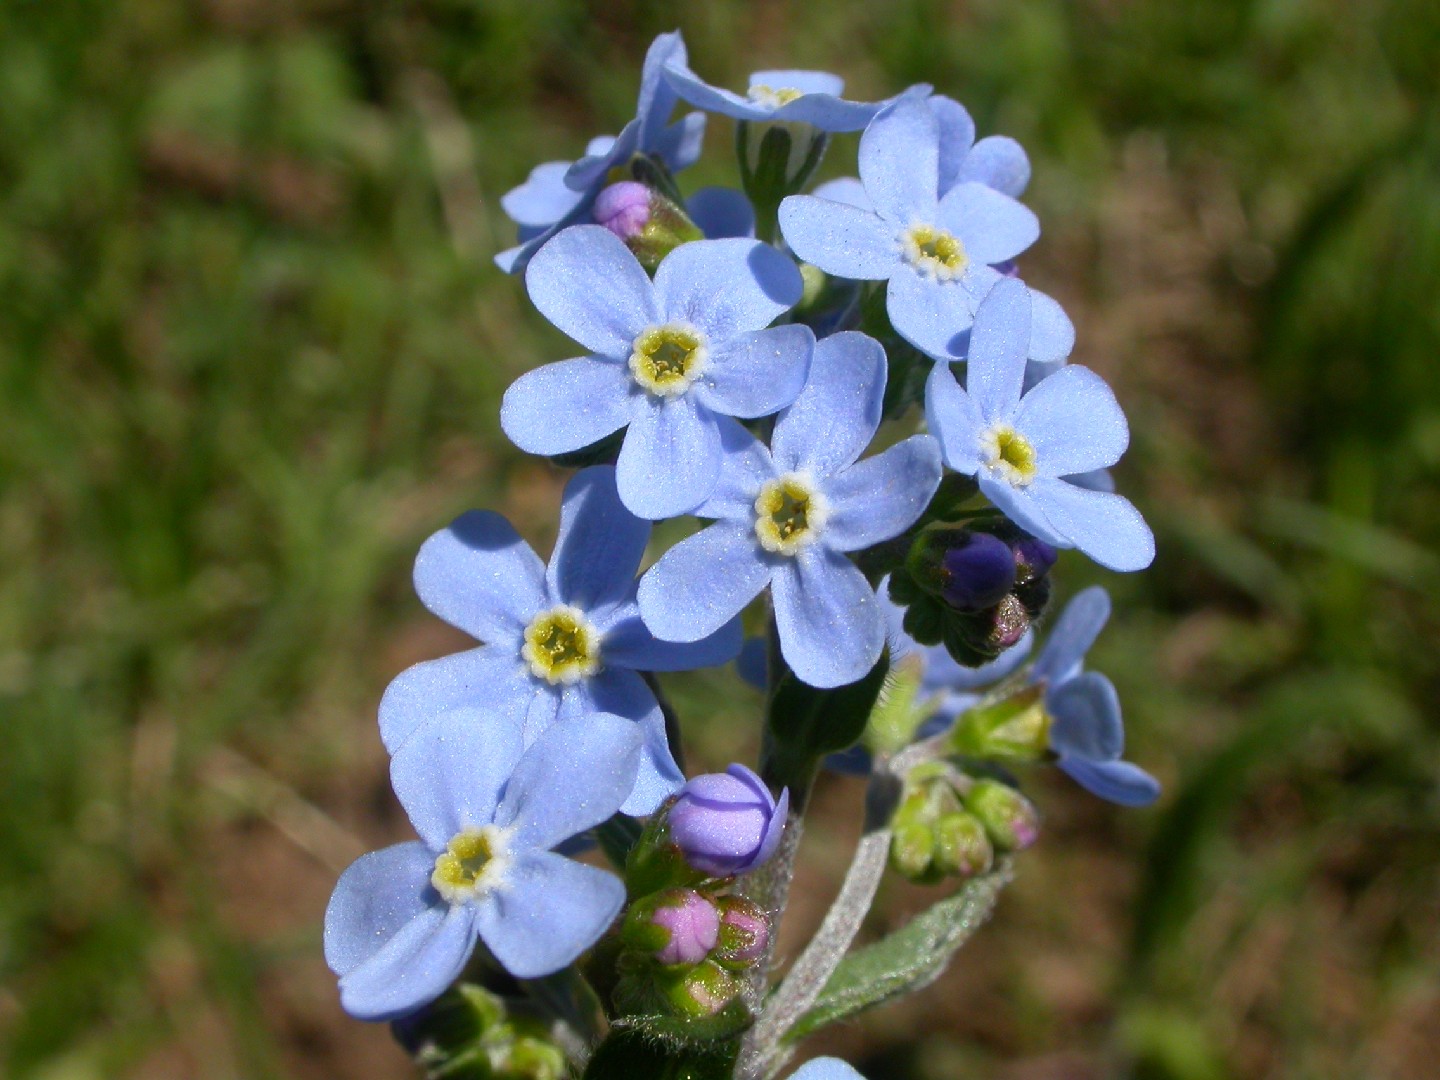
x: 908, y: 960
x: 654, y: 863
x: 805, y: 723
x: 1009, y: 725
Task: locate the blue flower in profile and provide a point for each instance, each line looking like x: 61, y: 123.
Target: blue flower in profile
x: 937, y: 253
x: 785, y: 516
x: 560, y: 644
x: 827, y: 1068
x: 1086, y: 730
x: 560, y: 193
x: 1024, y: 448
x: 804, y: 97
x: 404, y: 920
x: 669, y: 358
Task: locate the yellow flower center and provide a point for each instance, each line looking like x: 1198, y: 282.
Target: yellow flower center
x: 934, y: 252
x: 1010, y: 454
x: 562, y: 646
x: 665, y: 360
x: 773, y: 97
x: 789, y: 514
x: 472, y: 863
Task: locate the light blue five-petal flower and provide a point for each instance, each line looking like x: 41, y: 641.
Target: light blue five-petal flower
x: 397, y: 943
x: 558, y: 194
x: 1024, y: 448
x: 806, y: 97
x: 481, y: 577
x: 937, y: 253
x: 723, y: 293
x: 1086, y: 730
x: 810, y: 484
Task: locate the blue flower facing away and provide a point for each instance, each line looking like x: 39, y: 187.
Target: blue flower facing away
x: 1086, y: 730
x: 560, y: 644
x: 805, y: 97
x: 786, y: 515
x: 938, y: 254
x: 1024, y: 448
x: 560, y: 193
x: 669, y: 358
x: 404, y: 920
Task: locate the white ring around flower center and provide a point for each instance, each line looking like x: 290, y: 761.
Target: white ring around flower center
x: 562, y: 646
x: 666, y: 359
x: 473, y: 863
x: 1008, y: 454
x: 934, y: 252
x: 790, y: 513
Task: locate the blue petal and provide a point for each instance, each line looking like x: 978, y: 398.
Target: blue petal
x: 543, y: 199
x: 548, y: 911
x: 826, y: 113
x: 953, y: 419
x: 934, y: 316
x: 957, y: 136
x: 479, y: 576
x: 566, y: 405
x: 570, y: 779
x: 624, y: 693
x: 997, y: 162
x: 942, y: 672
x: 1116, y: 781
x: 1021, y: 506
x: 680, y: 144
x: 847, y: 190
x: 830, y: 624
x: 449, y: 774
x: 1105, y: 527
x: 757, y: 374
x: 1052, y: 334
x: 991, y: 226
x: 838, y: 412
x: 656, y: 100
x: 721, y: 212
x: 670, y: 460
x: 726, y: 287
x: 1094, y: 480
x: 600, y: 543
x: 840, y: 239
x: 899, y: 163
x: 491, y: 674
x: 414, y: 967
x: 629, y: 644
x: 882, y: 496
x: 745, y: 469
x: 702, y: 95
x: 588, y: 284
x: 1072, y: 635
x: 590, y: 172
x: 1086, y: 720
x: 995, y: 372
x: 753, y: 663
x: 1072, y: 422
x: 373, y: 900
x: 703, y: 582
x: 807, y: 82
x: 827, y: 1068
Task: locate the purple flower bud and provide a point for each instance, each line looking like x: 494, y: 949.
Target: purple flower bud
x: 624, y: 208
x: 977, y: 572
x: 693, y: 925
x: 1033, y: 558
x: 744, y: 933
x: 727, y: 823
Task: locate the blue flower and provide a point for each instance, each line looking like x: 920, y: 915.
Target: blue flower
x: 937, y: 254
x: 403, y: 921
x: 1086, y: 731
x: 805, y: 97
x: 1024, y: 448
x: 560, y: 193
x: 727, y: 823
x: 827, y: 1068
x: 562, y: 643
x: 786, y: 515
x: 669, y: 358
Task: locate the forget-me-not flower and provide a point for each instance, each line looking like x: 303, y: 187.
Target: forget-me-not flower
x: 560, y: 644
x: 560, y: 193
x: 785, y: 516
x: 937, y: 253
x: 803, y: 97
x: 1023, y: 448
x: 669, y: 358
x: 1086, y: 731
x: 403, y: 921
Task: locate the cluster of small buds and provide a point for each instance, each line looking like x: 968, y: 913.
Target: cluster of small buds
x: 470, y: 1031
x: 738, y: 352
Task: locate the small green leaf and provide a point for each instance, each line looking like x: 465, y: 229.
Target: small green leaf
x: 908, y: 960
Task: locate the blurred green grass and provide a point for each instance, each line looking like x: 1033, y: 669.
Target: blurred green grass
x: 251, y: 351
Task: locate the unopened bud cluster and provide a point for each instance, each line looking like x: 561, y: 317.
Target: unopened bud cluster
x: 952, y: 825
x: 472, y: 1032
